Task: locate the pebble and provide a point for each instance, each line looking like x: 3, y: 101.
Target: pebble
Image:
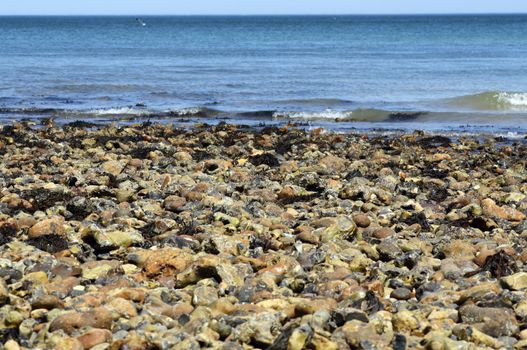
x: 228, y: 237
x: 401, y: 294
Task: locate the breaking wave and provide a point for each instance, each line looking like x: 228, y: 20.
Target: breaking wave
x: 117, y: 112
x: 492, y: 101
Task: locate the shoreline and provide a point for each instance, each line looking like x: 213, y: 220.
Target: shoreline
x: 151, y: 236
x: 193, y: 122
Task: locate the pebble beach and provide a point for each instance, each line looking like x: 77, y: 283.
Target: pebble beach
x: 150, y: 236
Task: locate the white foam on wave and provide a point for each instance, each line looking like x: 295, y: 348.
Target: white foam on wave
x: 188, y: 111
x: 518, y: 99
x: 119, y: 111
x: 327, y: 114
x: 491, y: 101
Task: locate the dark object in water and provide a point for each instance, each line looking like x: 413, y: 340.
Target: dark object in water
x: 257, y: 114
x: 499, y: 265
x: 49, y: 243
x: 80, y: 124
x: 266, y: 158
x: 404, y: 116
x: 434, y: 141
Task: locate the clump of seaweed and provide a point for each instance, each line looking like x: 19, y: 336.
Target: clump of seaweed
x: 265, y: 158
x: 80, y: 124
x: 42, y: 199
x: 49, y: 243
x: 7, y: 233
x: 499, y: 265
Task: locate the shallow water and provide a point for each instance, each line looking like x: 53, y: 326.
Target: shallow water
x: 458, y: 72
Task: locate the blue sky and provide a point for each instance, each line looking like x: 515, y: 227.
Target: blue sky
x: 87, y: 7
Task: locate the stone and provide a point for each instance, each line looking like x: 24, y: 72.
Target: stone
x: 491, y: 209
x: 174, y: 203
x: 362, y: 220
x: 299, y: 338
x: 496, y: 322
x: 122, y: 307
x: 383, y: 232
x: 11, y: 345
x: 112, y: 239
x: 51, y: 226
x: 124, y: 195
x: 4, y: 293
x: 113, y: 167
x: 401, y: 294
x: 95, y: 337
x: 404, y: 321
x: 47, y: 302
x: 204, y: 296
x: 99, y: 317
x: 68, y: 344
x: 517, y: 281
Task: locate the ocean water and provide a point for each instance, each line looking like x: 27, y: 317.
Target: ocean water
x: 427, y: 72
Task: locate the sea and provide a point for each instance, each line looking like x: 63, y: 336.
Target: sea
x: 440, y: 73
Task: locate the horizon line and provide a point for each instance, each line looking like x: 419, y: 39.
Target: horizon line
x: 262, y: 14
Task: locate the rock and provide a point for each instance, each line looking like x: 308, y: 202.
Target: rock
x: 383, y: 232
x: 333, y: 164
x: 69, y: 322
x: 111, y: 239
x: 341, y: 227
x: 517, y: 281
x: 404, y: 321
x: 388, y: 251
x: 300, y: 338
x: 401, y: 294
x: 521, y: 310
x: 11, y: 345
x: 204, y: 295
x: 48, y: 302
x: 362, y: 220
x: 4, y: 293
x: 438, y: 341
x: 274, y: 237
x: 174, y: 203
x: 124, y: 195
x: 341, y: 316
x: 475, y: 336
x: 95, y: 337
x: 496, y: 322
x: 113, y: 167
x: 122, y: 308
x: 51, y: 226
x: 97, y: 269
x: 68, y: 344
x: 491, y: 209
x: 357, y: 334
